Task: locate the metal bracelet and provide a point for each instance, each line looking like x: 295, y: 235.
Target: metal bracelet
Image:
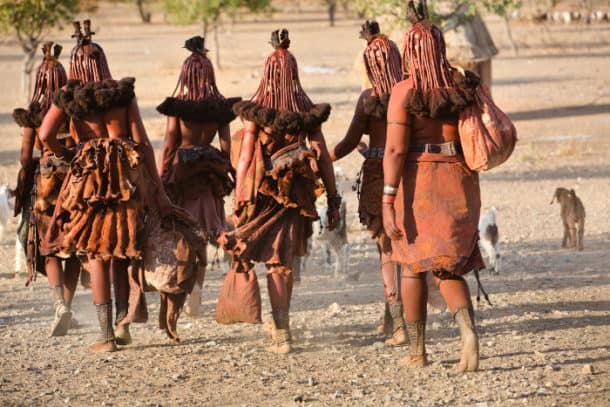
x: 390, y: 190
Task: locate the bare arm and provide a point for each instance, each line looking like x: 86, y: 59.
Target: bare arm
x: 396, y: 149
x: 246, y: 156
x: 325, y: 165
x: 354, y: 133
x: 52, y: 123
x: 224, y: 137
x: 138, y: 133
x: 171, y: 142
x: 27, y: 146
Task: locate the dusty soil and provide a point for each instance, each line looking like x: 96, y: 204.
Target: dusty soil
x: 545, y: 341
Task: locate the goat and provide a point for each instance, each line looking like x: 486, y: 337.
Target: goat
x: 488, y: 240
x: 572, y: 217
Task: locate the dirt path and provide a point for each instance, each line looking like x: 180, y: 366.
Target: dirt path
x: 545, y: 342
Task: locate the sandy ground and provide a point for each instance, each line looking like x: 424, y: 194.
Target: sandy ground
x: 545, y: 341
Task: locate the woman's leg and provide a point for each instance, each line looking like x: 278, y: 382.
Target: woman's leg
x: 193, y: 302
x: 414, y: 296
x: 279, y: 285
x: 100, y: 288
x: 55, y: 276
x: 391, y: 290
x: 457, y: 296
x: 120, y: 283
x: 71, y: 274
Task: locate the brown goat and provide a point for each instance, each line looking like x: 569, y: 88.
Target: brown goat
x: 573, y: 216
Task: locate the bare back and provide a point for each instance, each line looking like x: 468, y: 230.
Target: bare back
x: 425, y: 130
x: 112, y: 124
x: 197, y: 133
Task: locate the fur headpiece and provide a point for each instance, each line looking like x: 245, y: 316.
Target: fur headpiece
x: 196, y: 97
x: 78, y: 100
x: 50, y: 77
x: 369, y: 30
x: 280, y: 101
x: 383, y: 67
x: 196, y: 44
x: 88, y: 62
x: 438, y: 89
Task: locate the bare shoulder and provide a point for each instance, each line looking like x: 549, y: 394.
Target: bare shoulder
x: 250, y: 127
x: 366, y: 93
x: 399, y: 91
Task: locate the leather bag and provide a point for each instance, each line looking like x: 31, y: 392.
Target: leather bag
x: 487, y: 134
x: 239, y: 299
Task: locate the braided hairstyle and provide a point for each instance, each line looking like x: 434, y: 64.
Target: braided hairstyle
x: 382, y: 62
x: 424, y: 54
x: 280, y: 88
x: 50, y: 77
x: 197, y: 80
x: 88, y: 62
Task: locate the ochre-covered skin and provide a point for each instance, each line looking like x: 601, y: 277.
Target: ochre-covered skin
x: 434, y: 219
x: 383, y: 67
x: 107, y: 184
x: 438, y: 203
x: 39, y: 183
x: 99, y: 212
x: 279, y: 156
x: 196, y: 175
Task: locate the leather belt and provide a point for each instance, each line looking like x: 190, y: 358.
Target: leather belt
x: 376, y: 152
x: 450, y: 148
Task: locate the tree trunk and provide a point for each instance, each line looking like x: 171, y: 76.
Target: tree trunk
x: 509, y: 33
x: 332, y: 8
x: 26, y: 73
x: 144, y: 15
x: 217, y: 45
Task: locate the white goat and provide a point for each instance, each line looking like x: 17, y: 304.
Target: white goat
x: 488, y: 240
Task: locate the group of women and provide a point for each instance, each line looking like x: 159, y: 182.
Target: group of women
x: 96, y: 180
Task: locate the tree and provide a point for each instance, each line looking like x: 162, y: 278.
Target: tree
x: 210, y: 14
x: 144, y: 15
x: 30, y: 20
x: 503, y: 8
x: 447, y: 14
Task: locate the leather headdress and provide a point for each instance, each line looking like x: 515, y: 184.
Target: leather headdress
x: 197, y: 80
x: 369, y: 29
x: 382, y: 62
x: 438, y: 90
x: 196, y: 96
x: 88, y: 62
x: 50, y: 77
x: 280, y: 103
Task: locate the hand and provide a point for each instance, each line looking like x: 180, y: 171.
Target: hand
x: 333, y: 218
x: 164, y: 204
x: 362, y: 148
x: 389, y: 222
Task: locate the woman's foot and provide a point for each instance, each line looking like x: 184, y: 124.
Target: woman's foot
x: 469, y: 358
x: 280, y: 333
x: 398, y: 332
x: 104, y: 317
x: 122, y: 336
x: 62, y: 321
x: 417, y: 345
x: 105, y: 346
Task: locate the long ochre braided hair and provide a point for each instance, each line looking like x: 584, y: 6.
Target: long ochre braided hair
x: 50, y: 76
x: 280, y: 88
x: 197, y: 80
x: 381, y: 60
x: 88, y: 62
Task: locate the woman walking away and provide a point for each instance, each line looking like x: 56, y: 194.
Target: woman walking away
x: 431, y: 199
